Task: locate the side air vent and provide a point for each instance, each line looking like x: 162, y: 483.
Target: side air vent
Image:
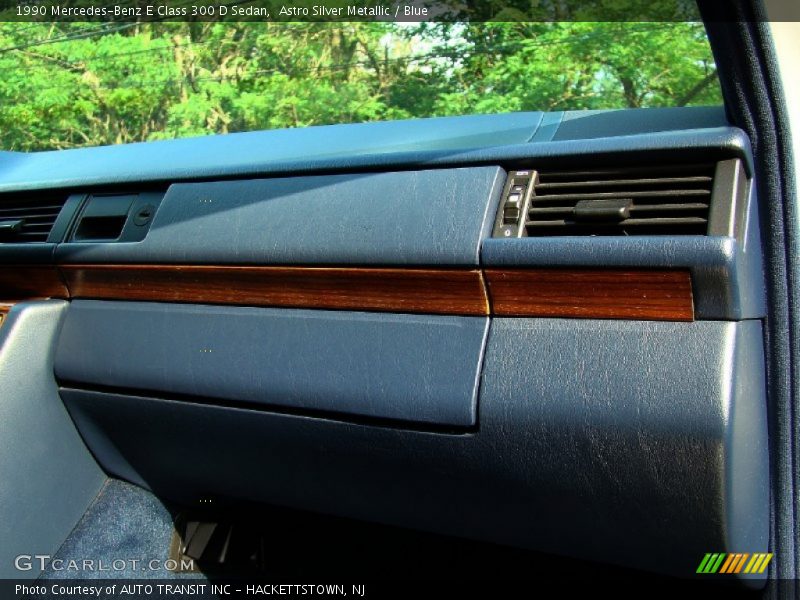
x: 28, y: 219
x: 628, y: 201
x: 694, y: 199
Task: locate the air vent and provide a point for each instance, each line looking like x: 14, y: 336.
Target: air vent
x: 28, y: 219
x: 670, y: 200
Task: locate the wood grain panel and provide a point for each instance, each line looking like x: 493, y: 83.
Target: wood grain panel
x: 434, y: 291
x: 591, y: 293
x: 27, y: 282
x: 563, y: 292
x: 4, y: 308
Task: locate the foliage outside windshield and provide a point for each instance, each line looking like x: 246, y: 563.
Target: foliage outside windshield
x: 86, y: 84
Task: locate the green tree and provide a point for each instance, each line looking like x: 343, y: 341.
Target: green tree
x: 68, y: 85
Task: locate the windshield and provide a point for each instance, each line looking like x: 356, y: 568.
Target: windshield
x: 66, y: 85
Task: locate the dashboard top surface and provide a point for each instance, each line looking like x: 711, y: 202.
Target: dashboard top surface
x: 436, y: 142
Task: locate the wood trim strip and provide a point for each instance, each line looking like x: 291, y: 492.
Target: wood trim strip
x: 431, y: 291
x: 29, y: 282
x: 562, y: 292
x: 4, y: 308
x: 662, y: 295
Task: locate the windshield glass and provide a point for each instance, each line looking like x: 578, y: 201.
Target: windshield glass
x: 66, y: 85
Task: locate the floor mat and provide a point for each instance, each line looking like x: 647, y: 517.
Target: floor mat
x: 125, y: 533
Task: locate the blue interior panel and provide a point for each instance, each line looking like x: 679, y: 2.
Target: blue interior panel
x: 47, y: 475
x: 422, y: 369
x: 595, y: 439
x: 407, y: 218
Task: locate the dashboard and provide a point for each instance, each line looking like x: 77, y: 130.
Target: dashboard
x: 538, y: 329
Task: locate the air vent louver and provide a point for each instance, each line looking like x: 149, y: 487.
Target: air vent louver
x: 26, y: 219
x: 671, y: 200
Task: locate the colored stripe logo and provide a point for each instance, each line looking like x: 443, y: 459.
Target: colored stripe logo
x: 734, y: 563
